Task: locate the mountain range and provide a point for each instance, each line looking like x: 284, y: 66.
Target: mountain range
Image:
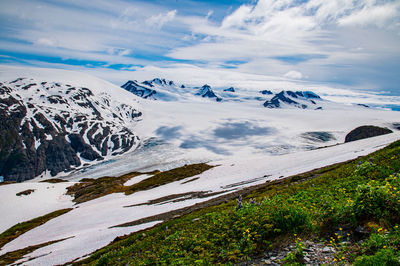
x: 99, y: 161
x: 54, y: 122
x: 165, y: 90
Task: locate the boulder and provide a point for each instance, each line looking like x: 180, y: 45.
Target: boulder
x: 364, y: 132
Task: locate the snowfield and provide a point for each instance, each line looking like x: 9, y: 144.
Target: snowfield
x: 247, y: 143
x: 88, y: 224
x: 46, y: 198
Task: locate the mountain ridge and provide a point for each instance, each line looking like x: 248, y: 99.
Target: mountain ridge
x: 156, y: 88
x: 55, y: 127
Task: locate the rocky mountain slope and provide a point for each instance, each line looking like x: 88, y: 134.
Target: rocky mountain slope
x: 299, y: 99
x: 51, y: 127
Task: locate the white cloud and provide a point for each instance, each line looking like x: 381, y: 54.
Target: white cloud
x: 317, y: 38
x: 271, y: 36
x: 293, y: 74
x: 46, y: 42
x: 159, y: 20
x: 379, y: 16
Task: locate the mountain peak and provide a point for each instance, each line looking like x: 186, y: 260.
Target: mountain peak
x: 298, y: 99
x: 231, y: 89
x: 55, y: 127
x: 206, y: 92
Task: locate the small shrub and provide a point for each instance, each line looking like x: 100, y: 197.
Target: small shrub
x: 382, y: 257
x: 379, y: 200
x: 296, y: 256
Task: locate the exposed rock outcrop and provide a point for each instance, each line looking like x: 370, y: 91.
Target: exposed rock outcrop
x: 364, y: 132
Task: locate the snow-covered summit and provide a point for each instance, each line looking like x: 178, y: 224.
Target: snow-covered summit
x: 140, y: 90
x: 168, y: 90
x: 298, y: 99
x: 56, y: 126
x: 206, y: 92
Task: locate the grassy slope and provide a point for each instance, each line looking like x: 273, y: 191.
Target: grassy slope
x: 89, y: 189
x: 16, y: 255
x: 20, y: 228
x: 312, y: 205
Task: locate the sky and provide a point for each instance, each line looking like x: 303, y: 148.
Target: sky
x: 337, y: 43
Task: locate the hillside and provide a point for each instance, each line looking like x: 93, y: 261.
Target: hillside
x: 119, y: 163
x: 110, y: 207
x: 49, y: 127
x: 351, y: 208
x: 94, y: 122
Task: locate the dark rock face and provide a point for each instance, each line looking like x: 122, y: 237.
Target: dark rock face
x: 58, y: 155
x: 138, y: 90
x: 207, y: 92
x: 86, y: 151
x: 364, y: 132
x: 47, y: 134
x: 308, y: 94
x: 231, y: 89
x: 266, y: 92
x: 19, y: 160
x: 277, y: 99
x: 273, y: 103
x: 291, y: 98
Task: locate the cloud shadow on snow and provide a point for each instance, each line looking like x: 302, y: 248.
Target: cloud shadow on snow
x: 223, y: 137
x: 241, y: 130
x: 168, y: 133
x: 196, y: 142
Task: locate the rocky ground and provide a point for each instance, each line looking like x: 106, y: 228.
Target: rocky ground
x: 315, y: 253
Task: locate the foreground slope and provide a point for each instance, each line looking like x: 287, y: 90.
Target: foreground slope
x: 51, y: 122
x: 319, y: 217
x: 95, y: 223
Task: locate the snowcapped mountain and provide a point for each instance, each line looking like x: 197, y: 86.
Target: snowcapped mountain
x: 140, y: 90
x: 57, y: 120
x: 298, y: 99
x: 206, y: 92
x: 161, y: 89
x: 167, y: 90
x: 156, y: 89
x: 230, y: 89
x: 51, y: 127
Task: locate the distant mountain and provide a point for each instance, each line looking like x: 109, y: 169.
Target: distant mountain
x: 207, y: 92
x: 298, y: 99
x: 231, y: 89
x: 266, y: 92
x: 51, y: 127
x: 140, y: 90
x: 165, y: 90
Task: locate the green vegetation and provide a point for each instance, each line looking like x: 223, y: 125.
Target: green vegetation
x: 315, y: 205
x: 296, y: 256
x: 13, y: 256
x: 89, y: 189
x: 20, y: 228
x: 381, y: 248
